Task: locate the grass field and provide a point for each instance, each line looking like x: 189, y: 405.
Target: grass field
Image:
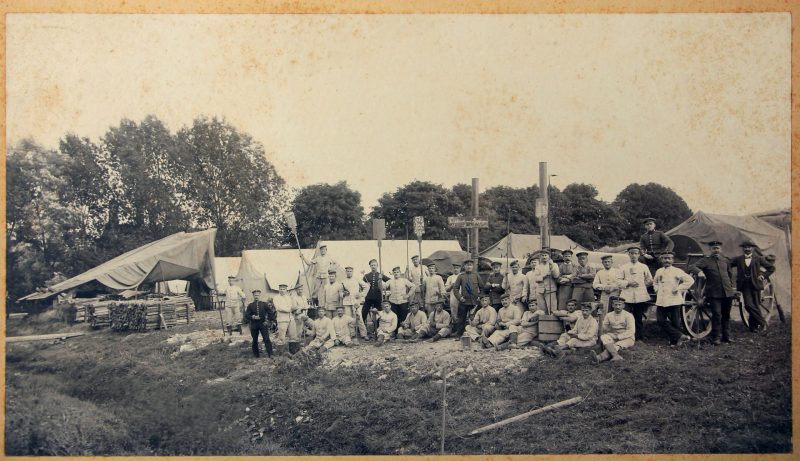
x: 111, y: 394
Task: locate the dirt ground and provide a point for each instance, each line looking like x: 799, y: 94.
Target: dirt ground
x: 186, y: 392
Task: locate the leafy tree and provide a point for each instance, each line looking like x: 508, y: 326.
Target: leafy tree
x: 144, y: 174
x: 588, y: 220
x: 327, y: 212
x: 501, y: 202
x: 637, y: 202
x: 420, y: 198
x: 227, y: 183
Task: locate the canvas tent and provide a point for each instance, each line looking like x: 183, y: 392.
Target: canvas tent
x: 358, y: 253
x: 690, y: 236
x: 224, y: 267
x: 519, y: 246
x: 179, y: 256
x: 266, y: 269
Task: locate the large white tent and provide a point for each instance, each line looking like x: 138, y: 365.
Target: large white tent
x: 224, y: 267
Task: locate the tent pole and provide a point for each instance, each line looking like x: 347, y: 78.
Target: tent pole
x: 303, y: 263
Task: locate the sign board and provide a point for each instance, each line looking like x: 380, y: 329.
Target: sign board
x: 458, y: 222
x: 291, y: 221
x: 419, y: 226
x: 541, y: 208
x: 378, y: 229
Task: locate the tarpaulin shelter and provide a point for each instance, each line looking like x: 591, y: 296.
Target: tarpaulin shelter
x: 266, y: 269
x: 690, y: 237
x: 358, y: 253
x: 187, y: 256
x: 519, y: 246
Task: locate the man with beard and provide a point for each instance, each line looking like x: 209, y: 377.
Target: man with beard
x: 717, y: 270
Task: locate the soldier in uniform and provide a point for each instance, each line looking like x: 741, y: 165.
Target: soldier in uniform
x: 417, y: 274
x: 262, y: 318
x: 494, y: 286
x: 566, y: 268
x: 322, y: 264
x: 583, y: 278
x: 751, y: 273
x: 717, y: 270
x: 374, y: 285
x: 636, y: 277
x: 653, y: 243
x: 434, y: 290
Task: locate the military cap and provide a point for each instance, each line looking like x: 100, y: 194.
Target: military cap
x: 667, y: 253
x: 581, y: 253
x: 505, y: 296
x: 415, y: 257
x: 431, y: 264
x: 606, y: 257
x: 323, y: 246
x: 573, y: 300
x: 748, y: 243
x: 614, y: 299
x: 348, y: 267
x: 283, y: 285
x: 483, y: 295
x: 231, y: 276
x: 395, y: 268
x: 567, y: 252
x: 256, y: 291
x: 633, y: 248
x: 770, y: 258
x: 515, y: 263
x: 469, y: 261
x: 331, y: 271
x: 714, y: 243
x: 647, y: 220
x: 496, y: 263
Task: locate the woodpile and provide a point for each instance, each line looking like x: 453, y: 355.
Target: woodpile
x: 99, y: 313
x: 150, y: 314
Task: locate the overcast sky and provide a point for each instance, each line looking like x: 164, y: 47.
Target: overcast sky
x: 697, y: 102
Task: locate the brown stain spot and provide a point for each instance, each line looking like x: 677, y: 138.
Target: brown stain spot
x: 50, y: 97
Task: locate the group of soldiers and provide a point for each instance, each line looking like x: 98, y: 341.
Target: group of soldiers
x: 503, y: 310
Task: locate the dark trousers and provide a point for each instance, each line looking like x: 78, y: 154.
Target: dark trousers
x: 369, y: 304
x: 638, y: 310
x: 255, y: 329
x: 669, y: 319
x: 461, y: 323
x: 402, y: 311
x: 720, y: 317
x: 752, y: 303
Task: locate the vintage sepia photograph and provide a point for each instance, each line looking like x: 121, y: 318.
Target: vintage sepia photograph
x: 398, y: 234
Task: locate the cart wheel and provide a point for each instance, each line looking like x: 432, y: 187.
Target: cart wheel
x: 739, y: 300
x: 768, y: 302
x: 696, y: 319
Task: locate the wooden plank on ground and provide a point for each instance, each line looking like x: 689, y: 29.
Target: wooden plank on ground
x: 19, y: 339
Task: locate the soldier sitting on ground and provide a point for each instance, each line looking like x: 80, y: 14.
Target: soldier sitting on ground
x: 387, y: 324
x: 620, y: 328
x: 415, y: 324
x: 581, y: 336
x: 483, y: 322
x: 508, y: 320
x: 342, y: 326
x: 322, y: 332
x: 529, y: 326
x: 439, y: 324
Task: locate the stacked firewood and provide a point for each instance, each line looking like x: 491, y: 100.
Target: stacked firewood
x: 151, y: 314
x: 99, y: 313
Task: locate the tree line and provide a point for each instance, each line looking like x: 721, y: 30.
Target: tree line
x: 74, y: 207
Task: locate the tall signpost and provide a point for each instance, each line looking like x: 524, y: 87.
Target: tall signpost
x: 542, y: 205
x: 379, y: 233
x: 419, y: 229
x: 473, y: 222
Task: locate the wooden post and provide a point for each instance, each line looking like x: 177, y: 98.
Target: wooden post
x: 475, y: 212
x: 554, y: 406
x: 544, y: 228
x: 444, y: 406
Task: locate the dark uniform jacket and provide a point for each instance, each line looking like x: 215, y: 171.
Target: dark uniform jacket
x: 496, y: 292
x: 656, y: 242
x: 266, y: 312
x: 468, y: 286
x: 752, y: 274
x: 374, y: 280
x: 719, y: 276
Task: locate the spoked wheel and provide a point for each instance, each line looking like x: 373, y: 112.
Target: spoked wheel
x: 696, y: 315
x: 738, y: 299
x: 768, y: 301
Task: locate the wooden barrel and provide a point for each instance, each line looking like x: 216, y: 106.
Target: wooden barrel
x: 550, y: 328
